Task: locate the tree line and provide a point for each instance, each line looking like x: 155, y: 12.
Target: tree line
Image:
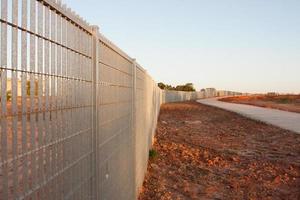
x: 189, y: 87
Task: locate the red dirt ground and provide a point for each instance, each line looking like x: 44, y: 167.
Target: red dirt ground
x: 282, y: 102
x: 208, y: 153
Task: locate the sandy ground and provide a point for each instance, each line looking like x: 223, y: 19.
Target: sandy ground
x: 282, y: 102
x: 208, y: 153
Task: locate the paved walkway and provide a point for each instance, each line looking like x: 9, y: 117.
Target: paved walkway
x: 286, y: 120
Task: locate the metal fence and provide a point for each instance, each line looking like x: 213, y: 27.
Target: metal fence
x: 77, y: 114
x: 46, y: 127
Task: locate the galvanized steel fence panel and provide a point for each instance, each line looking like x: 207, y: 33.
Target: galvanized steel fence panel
x: 46, y: 104
x: 114, y: 122
x: 78, y: 115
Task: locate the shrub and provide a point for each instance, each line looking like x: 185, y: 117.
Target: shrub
x: 152, y: 154
x: 283, y: 101
x: 8, y: 95
x: 28, y: 88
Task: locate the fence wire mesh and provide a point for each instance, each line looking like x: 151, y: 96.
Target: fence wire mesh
x: 77, y: 113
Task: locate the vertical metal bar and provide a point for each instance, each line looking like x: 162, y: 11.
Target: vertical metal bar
x: 72, y: 70
x: 14, y: 102
x: 32, y: 92
x: 63, y: 111
x: 59, y: 108
x: 47, y: 104
x: 67, y: 71
x: 40, y: 132
x: 133, y: 121
x: 53, y: 98
x: 94, y: 111
x: 3, y: 76
x: 24, y: 95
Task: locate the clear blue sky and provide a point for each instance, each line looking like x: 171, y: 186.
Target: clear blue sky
x: 242, y: 45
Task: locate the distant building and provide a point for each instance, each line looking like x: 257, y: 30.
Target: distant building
x: 221, y: 93
x: 210, y: 92
x: 272, y: 94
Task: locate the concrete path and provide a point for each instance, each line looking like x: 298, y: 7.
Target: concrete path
x: 286, y: 120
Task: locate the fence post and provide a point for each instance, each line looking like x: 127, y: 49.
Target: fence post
x: 95, y: 71
x: 133, y: 125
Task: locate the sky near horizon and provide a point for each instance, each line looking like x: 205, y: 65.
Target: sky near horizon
x: 240, y: 45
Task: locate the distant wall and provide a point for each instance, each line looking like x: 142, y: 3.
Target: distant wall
x: 176, y: 96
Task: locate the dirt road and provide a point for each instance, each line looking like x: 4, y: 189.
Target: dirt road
x: 208, y: 153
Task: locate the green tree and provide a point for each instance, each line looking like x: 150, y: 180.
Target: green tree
x: 161, y: 85
x: 189, y: 87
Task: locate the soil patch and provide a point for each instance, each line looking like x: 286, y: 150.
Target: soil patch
x: 208, y: 153
x: 289, y: 103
